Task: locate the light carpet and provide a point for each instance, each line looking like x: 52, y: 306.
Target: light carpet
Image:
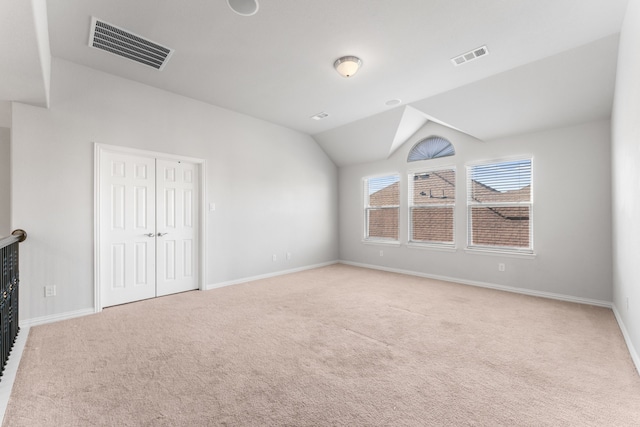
x: 334, y: 346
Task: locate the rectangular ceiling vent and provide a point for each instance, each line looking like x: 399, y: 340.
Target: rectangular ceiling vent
x: 470, y: 56
x: 320, y: 116
x: 123, y: 43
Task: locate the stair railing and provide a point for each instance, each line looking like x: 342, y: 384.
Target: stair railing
x: 9, y: 286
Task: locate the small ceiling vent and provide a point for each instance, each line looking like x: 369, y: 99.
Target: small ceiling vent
x: 123, y: 43
x: 470, y: 56
x: 320, y: 116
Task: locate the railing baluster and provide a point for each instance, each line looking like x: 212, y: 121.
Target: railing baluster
x: 9, y: 286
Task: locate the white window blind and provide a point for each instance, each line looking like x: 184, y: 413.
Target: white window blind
x: 431, y: 148
x: 432, y: 199
x: 382, y: 205
x: 500, y: 205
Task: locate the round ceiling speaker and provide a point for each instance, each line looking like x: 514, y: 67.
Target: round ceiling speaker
x: 244, y: 7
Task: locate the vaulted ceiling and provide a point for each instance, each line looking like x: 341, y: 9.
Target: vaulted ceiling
x: 550, y: 62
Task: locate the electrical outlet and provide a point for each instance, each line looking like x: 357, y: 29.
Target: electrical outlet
x: 50, y: 291
x: 381, y: 253
x: 288, y: 256
x: 275, y: 258
x: 502, y: 267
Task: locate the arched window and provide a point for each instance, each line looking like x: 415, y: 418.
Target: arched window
x: 431, y: 148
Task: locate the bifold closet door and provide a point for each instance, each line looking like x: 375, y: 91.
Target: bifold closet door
x: 127, y: 267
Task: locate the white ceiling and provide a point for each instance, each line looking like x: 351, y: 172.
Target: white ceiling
x: 277, y: 64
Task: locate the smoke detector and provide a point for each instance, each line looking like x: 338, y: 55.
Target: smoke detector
x: 126, y: 44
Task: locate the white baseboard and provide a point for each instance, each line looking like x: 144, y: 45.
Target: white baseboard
x: 267, y: 276
x: 627, y: 338
x: 11, y: 369
x: 55, y: 317
x: 531, y: 292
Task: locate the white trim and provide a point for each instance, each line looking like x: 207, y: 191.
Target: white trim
x: 502, y: 253
x: 382, y: 242
x: 530, y: 292
x: 444, y: 247
x: 27, y: 323
x: 11, y: 369
x: 501, y: 159
x: 627, y: 339
x: 99, y: 148
x: 268, y: 275
x: 97, y: 304
x: 140, y: 152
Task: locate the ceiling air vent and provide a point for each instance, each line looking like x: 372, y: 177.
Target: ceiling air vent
x: 320, y: 116
x: 123, y: 43
x: 470, y: 56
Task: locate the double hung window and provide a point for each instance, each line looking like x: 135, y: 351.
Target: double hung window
x: 432, y: 200
x: 500, y: 202
x: 382, y: 206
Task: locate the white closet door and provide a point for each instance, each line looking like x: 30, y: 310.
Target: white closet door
x: 177, y: 226
x: 127, y: 267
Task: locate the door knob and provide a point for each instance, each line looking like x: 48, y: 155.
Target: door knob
x: 150, y: 235
x: 162, y: 234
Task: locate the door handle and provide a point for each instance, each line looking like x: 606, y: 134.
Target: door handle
x: 150, y: 235
x: 162, y: 234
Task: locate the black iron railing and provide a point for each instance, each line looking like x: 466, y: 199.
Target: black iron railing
x: 9, y: 285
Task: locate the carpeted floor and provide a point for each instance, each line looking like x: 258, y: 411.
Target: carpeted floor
x: 335, y: 346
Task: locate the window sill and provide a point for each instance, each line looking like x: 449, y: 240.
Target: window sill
x: 501, y: 253
x: 430, y: 246
x: 381, y: 242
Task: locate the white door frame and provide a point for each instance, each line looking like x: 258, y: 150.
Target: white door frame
x: 101, y: 148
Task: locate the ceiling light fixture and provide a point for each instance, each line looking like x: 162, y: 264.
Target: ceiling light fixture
x: 244, y: 7
x: 347, y: 66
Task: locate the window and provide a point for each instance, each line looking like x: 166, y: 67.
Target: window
x: 499, y: 206
x: 382, y: 205
x: 432, y: 199
x: 431, y: 148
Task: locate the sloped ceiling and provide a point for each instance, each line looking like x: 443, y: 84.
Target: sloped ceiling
x: 277, y: 64
x: 572, y: 87
x: 569, y: 88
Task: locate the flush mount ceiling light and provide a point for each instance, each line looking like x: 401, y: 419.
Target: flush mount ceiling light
x: 347, y: 66
x: 244, y: 7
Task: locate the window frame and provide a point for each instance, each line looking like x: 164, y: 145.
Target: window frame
x: 367, y: 208
x: 470, y: 204
x: 411, y: 205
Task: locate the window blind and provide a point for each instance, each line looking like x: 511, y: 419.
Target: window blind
x: 382, y: 205
x: 431, y: 206
x: 499, y: 205
x: 431, y: 148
